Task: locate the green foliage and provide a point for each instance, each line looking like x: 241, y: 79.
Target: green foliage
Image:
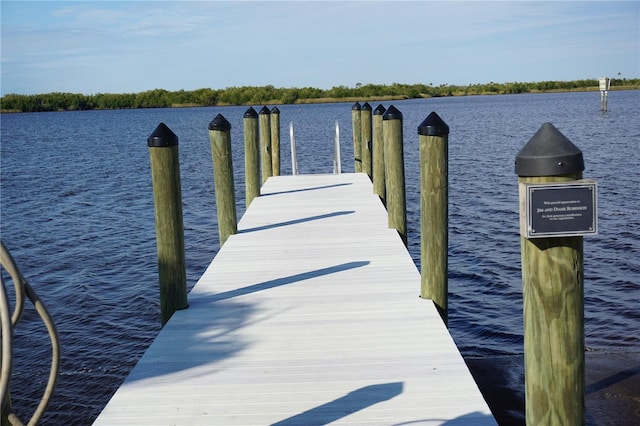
x: 250, y: 95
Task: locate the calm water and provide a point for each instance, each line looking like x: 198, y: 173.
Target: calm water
x: 77, y: 214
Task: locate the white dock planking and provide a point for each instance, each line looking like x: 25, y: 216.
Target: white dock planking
x: 309, y: 315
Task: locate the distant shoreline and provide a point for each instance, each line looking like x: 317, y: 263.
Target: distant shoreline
x: 269, y: 95
x: 395, y: 98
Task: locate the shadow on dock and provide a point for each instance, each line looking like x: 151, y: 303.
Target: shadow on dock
x: 205, y: 347
x: 350, y: 403
x: 225, y: 317
x: 313, y: 188
x: 295, y: 221
x: 471, y: 419
x: 366, y: 397
x: 286, y: 280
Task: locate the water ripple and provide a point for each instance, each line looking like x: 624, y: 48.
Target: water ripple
x: 78, y: 216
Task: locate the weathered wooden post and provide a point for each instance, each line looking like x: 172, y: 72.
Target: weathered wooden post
x: 394, y: 171
x: 251, y: 155
x: 434, y: 214
x: 378, y: 154
x: 220, y: 137
x: 265, y: 144
x: 357, y: 137
x: 366, y: 139
x: 167, y: 197
x: 434, y: 211
x: 275, y: 141
x: 555, y: 211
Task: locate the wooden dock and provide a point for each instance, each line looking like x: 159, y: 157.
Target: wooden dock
x: 310, y: 315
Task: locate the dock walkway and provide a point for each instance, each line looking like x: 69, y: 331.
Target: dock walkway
x: 310, y: 315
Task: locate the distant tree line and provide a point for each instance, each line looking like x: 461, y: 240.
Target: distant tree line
x: 249, y: 95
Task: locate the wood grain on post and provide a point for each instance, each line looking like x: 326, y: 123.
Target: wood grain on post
x: 357, y: 137
x: 275, y: 141
x: 167, y: 197
x: 251, y: 156
x: 220, y: 138
x: 553, y: 293
x: 378, y: 154
x: 366, y: 139
x: 434, y: 212
x: 394, y: 171
x: 265, y: 144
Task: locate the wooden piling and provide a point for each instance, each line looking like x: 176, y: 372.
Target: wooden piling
x: 434, y: 213
x: 357, y: 137
x: 378, y: 154
x: 275, y: 141
x: 265, y: 144
x: 251, y: 155
x: 366, y: 139
x: 394, y: 171
x: 167, y: 197
x: 553, y: 294
x: 220, y: 138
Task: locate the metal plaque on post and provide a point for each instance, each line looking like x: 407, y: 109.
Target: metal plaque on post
x: 559, y: 209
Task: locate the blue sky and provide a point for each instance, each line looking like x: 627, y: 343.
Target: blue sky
x: 132, y: 46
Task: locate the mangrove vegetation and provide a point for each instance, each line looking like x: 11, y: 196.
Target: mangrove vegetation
x: 250, y: 95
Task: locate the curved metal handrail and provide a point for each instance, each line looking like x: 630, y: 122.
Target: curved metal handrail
x: 22, y: 289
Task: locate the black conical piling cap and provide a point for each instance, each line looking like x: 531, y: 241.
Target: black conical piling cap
x: 250, y: 113
x: 265, y: 110
x: 379, y: 110
x: 549, y: 153
x: 162, y: 136
x: 366, y: 107
x: 220, y: 123
x: 275, y: 110
x: 433, y: 125
x: 392, y: 114
x: 355, y: 107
